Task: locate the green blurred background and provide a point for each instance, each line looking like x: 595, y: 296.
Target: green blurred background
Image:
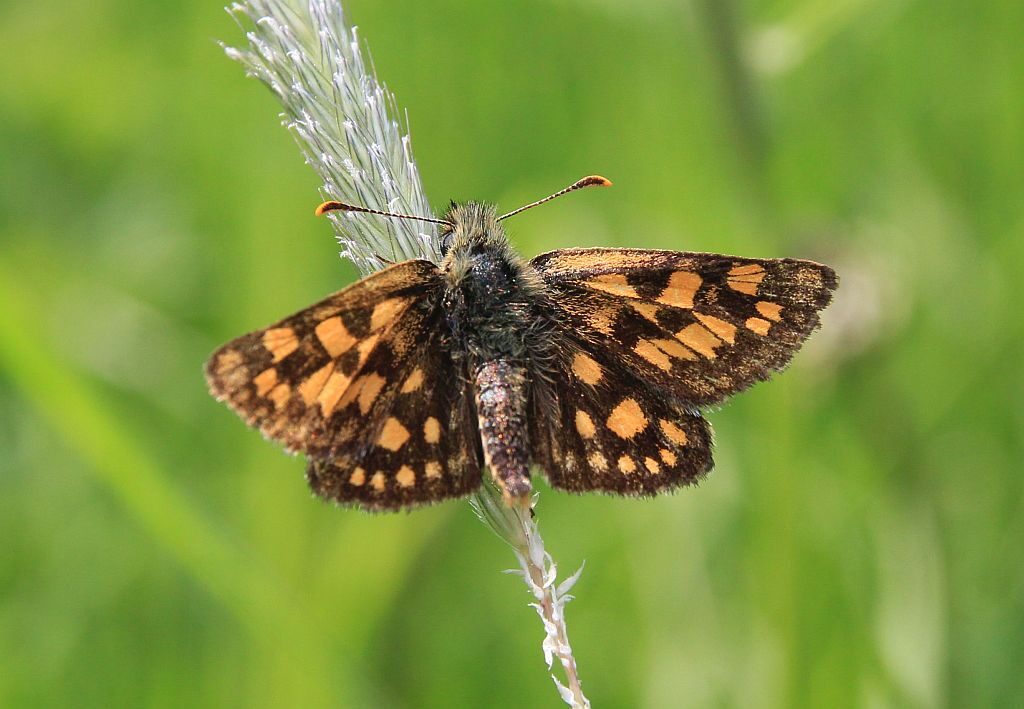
x: 860, y: 542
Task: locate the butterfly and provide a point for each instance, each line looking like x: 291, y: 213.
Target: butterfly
x: 589, y: 365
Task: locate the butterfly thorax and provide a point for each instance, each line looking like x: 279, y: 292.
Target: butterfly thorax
x: 493, y: 298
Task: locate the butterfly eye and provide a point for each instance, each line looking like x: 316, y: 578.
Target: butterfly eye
x: 446, y: 239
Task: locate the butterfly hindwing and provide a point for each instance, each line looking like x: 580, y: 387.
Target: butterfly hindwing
x: 698, y: 327
x: 605, y: 430
x: 425, y: 448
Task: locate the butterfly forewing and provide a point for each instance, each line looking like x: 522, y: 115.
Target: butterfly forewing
x: 317, y: 380
x: 698, y: 327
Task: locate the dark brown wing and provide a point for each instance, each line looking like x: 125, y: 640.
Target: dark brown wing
x: 654, y: 335
x: 600, y: 428
x: 363, y: 383
x: 423, y: 450
x: 312, y: 380
x: 699, y: 327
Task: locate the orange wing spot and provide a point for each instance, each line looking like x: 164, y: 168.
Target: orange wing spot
x: 226, y: 361
x: 593, y: 259
x: 586, y: 369
x: 674, y: 349
x: 335, y: 386
x: 378, y: 481
x: 613, y: 283
x: 406, y: 477
x: 772, y: 311
x: 265, y: 381
x: 668, y: 456
x: 432, y: 470
x: 585, y: 424
x: 746, y: 279
x: 627, y: 465
x: 280, y: 342
x: 682, y: 287
x: 393, y: 436
x: 746, y: 270
x: 758, y: 325
x: 311, y: 388
x: 334, y: 336
x: 649, y: 311
x: 652, y: 466
x: 673, y: 432
x: 414, y: 382
x: 432, y: 430
x: 600, y: 321
x: 746, y: 287
x: 280, y: 395
x: 366, y: 347
x: 649, y: 351
x: 724, y: 330
x: 699, y: 339
x: 369, y: 389
x: 384, y: 312
x: 357, y: 478
x: 598, y: 462
x: 627, y: 419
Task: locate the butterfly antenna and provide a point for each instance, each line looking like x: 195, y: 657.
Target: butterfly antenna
x: 333, y: 206
x: 590, y: 181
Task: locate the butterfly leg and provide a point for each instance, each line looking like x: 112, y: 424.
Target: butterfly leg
x: 501, y: 401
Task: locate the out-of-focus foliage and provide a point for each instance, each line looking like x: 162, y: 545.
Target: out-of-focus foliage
x: 859, y: 542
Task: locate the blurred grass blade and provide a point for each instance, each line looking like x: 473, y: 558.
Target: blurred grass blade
x: 77, y: 412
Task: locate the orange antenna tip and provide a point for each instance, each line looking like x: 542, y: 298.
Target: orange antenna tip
x: 328, y: 207
x: 333, y: 206
x: 589, y: 181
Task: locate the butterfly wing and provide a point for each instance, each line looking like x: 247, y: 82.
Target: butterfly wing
x: 353, y: 382
x: 657, y: 334
x: 603, y: 429
x: 425, y: 449
x: 699, y: 327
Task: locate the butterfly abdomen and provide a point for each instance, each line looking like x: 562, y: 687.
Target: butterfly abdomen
x: 501, y: 402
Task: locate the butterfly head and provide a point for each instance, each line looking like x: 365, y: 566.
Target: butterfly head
x: 471, y: 227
